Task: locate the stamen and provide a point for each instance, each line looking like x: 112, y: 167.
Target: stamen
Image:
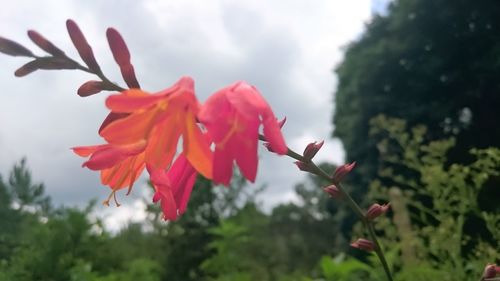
x: 112, y: 194
x: 116, y: 201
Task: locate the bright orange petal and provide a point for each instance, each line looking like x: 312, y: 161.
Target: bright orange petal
x: 85, y: 151
x: 123, y: 174
x: 196, y: 147
x: 162, y: 144
x: 130, y: 129
x: 131, y: 100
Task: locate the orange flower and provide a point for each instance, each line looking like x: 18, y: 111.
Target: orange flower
x: 148, y: 133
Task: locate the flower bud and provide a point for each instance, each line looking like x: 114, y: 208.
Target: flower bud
x: 122, y: 57
x: 376, y: 210
x: 311, y: 150
x: 45, y: 44
x: 12, y: 48
x: 342, y: 171
x: 364, y: 244
x: 490, y: 271
x: 82, y: 46
x: 303, y: 166
x: 90, y: 88
x: 333, y: 191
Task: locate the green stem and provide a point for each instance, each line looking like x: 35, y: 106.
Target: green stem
x: 314, y: 169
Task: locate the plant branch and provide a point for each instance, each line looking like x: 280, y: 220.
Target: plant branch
x: 314, y: 169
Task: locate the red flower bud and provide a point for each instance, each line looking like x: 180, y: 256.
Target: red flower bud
x: 333, y: 191
x: 45, y: 44
x: 12, y: 48
x: 342, y: 171
x: 82, y: 46
x: 311, y: 150
x: 490, y: 271
x: 45, y: 63
x: 122, y: 57
x: 376, y: 210
x: 90, y: 88
x: 303, y: 166
x: 364, y: 244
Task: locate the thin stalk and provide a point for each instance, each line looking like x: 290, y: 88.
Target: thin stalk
x: 314, y: 169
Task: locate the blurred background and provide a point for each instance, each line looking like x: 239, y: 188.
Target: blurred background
x: 408, y: 89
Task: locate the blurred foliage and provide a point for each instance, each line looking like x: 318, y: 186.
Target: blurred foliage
x: 224, y: 235
x: 429, y: 62
x: 435, y: 231
x: 438, y: 225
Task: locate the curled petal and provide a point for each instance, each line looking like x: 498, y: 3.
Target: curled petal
x: 273, y: 135
x: 131, y: 100
x: 107, y: 156
x: 86, y: 151
x: 112, y: 116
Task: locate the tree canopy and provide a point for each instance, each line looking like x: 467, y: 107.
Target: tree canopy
x: 430, y: 62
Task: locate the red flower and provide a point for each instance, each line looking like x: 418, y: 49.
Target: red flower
x: 145, y: 129
x: 232, y: 117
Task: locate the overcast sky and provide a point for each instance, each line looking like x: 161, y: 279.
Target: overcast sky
x: 287, y: 49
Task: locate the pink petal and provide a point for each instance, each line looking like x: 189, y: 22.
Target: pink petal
x: 274, y: 136
x: 108, y: 156
x: 85, y: 151
x: 168, y: 205
x: 223, y: 167
x: 244, y: 149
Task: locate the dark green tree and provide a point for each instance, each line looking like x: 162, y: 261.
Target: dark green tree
x: 430, y: 62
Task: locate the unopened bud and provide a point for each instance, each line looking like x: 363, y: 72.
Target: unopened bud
x: 311, y: 150
x: 490, y: 271
x: 342, y: 171
x: 303, y: 166
x: 82, y: 46
x: 44, y: 44
x: 333, y: 191
x: 90, y: 88
x: 364, y: 244
x: 376, y: 210
x: 12, y: 48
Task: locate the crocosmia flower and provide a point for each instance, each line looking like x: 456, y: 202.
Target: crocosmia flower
x: 232, y: 117
x: 173, y: 187
x: 147, y: 133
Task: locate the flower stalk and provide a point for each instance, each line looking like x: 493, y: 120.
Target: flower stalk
x: 368, y: 224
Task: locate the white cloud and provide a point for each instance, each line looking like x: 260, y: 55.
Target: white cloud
x: 286, y: 48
